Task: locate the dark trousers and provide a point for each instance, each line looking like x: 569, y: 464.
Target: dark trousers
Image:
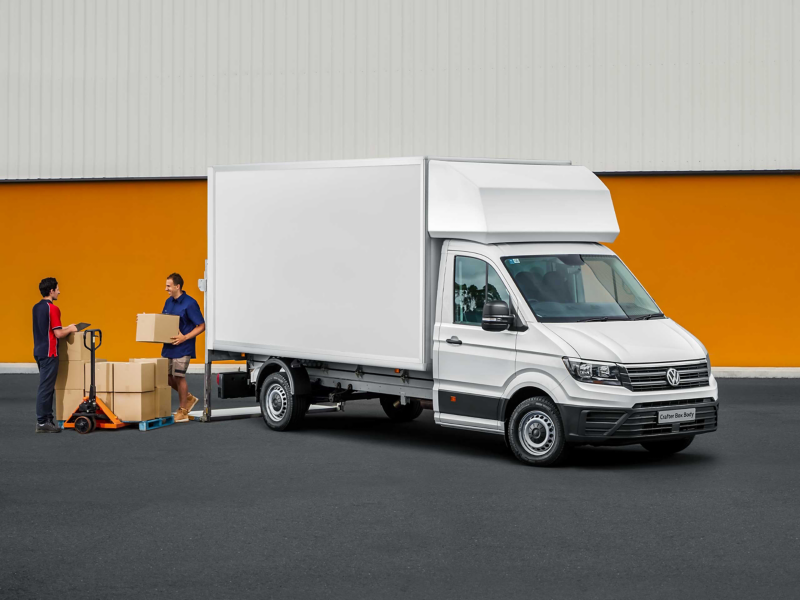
x: 48, y: 370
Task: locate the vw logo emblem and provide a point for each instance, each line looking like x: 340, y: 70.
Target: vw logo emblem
x: 673, y: 377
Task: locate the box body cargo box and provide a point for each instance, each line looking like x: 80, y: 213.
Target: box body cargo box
x: 337, y: 262
x: 341, y: 258
x: 157, y: 328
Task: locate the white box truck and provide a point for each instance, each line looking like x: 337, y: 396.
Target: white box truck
x: 479, y: 289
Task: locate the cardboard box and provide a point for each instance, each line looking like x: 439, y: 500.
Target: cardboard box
x: 70, y: 375
x: 66, y: 402
x: 157, y: 328
x: 71, y: 348
x: 134, y: 377
x: 163, y: 401
x: 103, y: 376
x: 135, y: 407
x: 162, y: 369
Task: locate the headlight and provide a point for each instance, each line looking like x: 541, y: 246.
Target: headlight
x: 593, y: 372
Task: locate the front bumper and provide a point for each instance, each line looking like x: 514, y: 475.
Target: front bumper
x: 605, y: 425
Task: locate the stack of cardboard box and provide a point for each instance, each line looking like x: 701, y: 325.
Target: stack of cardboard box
x: 162, y: 390
x: 135, y: 391
x: 72, y: 358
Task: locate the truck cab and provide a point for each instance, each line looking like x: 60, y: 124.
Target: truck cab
x: 583, y: 348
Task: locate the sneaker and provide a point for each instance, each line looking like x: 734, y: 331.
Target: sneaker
x: 182, y: 415
x: 190, y: 402
x: 48, y: 427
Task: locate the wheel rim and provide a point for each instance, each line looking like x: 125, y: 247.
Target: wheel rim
x: 277, y: 402
x: 537, y: 433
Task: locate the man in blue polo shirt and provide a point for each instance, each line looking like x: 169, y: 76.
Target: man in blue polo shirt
x: 182, y: 349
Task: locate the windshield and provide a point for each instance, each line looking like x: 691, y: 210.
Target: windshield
x: 580, y: 287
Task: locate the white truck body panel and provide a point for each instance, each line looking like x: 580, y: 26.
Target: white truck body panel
x: 493, y: 203
x: 321, y: 261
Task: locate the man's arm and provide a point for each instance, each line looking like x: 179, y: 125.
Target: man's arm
x: 64, y: 331
x: 196, y: 317
x: 179, y: 339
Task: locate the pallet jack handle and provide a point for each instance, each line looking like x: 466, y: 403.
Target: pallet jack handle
x: 90, y: 336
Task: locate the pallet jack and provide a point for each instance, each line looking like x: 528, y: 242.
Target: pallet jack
x: 92, y: 412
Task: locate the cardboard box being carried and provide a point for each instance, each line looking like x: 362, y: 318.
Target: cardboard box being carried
x: 133, y: 377
x: 163, y: 401
x: 157, y: 328
x: 135, y: 406
x: 66, y: 402
x: 162, y: 369
x: 70, y: 375
x: 103, y: 376
x: 71, y: 348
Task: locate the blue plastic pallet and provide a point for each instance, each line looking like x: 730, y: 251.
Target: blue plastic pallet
x: 155, y: 423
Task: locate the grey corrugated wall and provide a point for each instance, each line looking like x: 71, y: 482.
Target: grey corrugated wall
x: 154, y: 88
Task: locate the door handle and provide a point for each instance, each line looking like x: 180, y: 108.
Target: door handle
x: 453, y: 340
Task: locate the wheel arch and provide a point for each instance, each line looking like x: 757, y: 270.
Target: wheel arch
x: 299, y: 383
x: 507, y: 405
x: 526, y: 385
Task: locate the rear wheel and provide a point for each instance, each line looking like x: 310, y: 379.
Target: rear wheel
x: 669, y: 447
x: 535, y: 433
x: 280, y: 408
x: 401, y: 412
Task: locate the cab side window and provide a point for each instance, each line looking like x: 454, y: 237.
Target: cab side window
x: 475, y: 282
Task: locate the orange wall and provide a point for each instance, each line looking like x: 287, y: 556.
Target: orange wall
x: 111, y: 246
x: 713, y: 250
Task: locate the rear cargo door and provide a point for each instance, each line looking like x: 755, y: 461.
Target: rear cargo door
x: 474, y: 365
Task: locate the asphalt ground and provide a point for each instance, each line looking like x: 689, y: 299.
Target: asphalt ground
x: 354, y: 506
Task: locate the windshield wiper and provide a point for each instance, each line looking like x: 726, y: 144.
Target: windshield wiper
x: 651, y: 316
x: 604, y: 319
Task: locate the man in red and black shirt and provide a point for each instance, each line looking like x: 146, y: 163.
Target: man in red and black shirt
x: 47, y: 330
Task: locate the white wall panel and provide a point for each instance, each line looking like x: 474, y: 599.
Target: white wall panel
x: 164, y: 88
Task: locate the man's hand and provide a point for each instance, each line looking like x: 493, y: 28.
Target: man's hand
x: 178, y: 339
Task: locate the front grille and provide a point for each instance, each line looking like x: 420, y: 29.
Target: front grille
x: 651, y: 378
x: 600, y: 422
x: 646, y: 423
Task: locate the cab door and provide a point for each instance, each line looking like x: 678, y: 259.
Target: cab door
x: 473, y: 365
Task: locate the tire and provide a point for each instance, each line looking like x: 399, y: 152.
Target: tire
x: 669, y: 447
x: 281, y: 409
x: 401, y: 413
x: 535, y: 433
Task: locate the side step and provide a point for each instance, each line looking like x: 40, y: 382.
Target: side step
x: 249, y: 412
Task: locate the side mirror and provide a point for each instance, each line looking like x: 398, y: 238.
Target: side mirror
x: 496, y: 316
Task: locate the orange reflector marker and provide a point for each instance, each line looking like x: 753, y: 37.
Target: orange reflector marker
x: 452, y: 398
x: 397, y: 370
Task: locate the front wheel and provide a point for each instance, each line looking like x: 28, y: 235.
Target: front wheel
x: 280, y: 408
x: 535, y: 433
x: 669, y: 447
